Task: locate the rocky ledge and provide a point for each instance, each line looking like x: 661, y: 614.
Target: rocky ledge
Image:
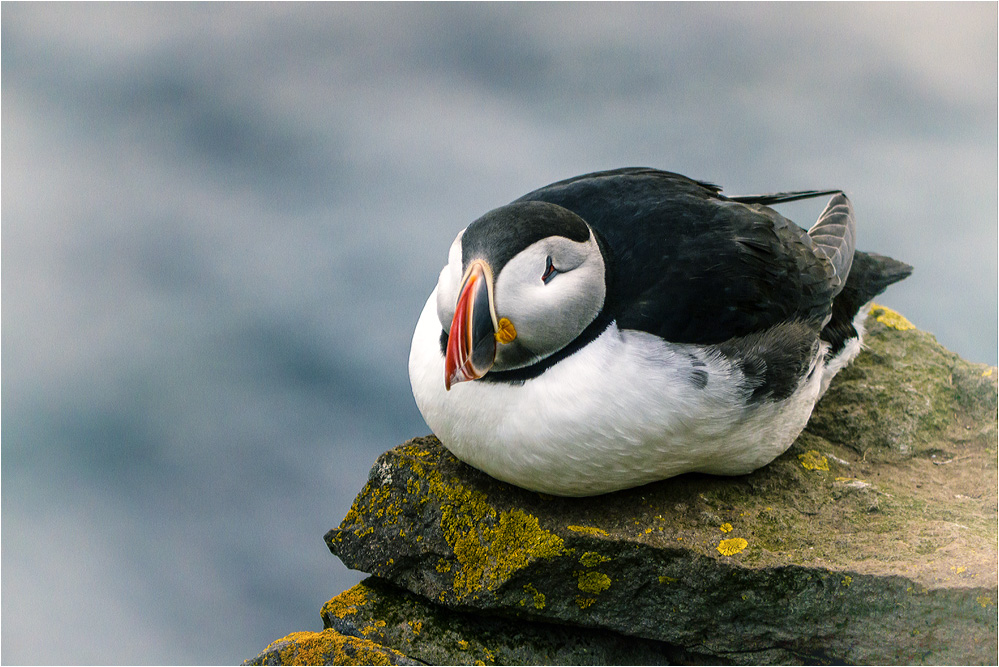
x: 873, y: 540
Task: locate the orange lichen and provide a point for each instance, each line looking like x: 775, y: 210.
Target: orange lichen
x: 732, y: 546
x: 347, y: 602
x: 329, y: 647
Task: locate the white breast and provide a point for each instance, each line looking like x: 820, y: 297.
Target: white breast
x: 620, y: 412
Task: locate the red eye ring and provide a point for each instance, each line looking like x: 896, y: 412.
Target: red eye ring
x: 550, y: 271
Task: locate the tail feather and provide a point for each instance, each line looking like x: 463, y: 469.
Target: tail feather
x: 870, y: 275
x: 782, y: 197
x: 835, y: 234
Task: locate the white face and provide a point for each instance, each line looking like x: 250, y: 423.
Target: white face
x: 547, y: 314
x: 448, y: 283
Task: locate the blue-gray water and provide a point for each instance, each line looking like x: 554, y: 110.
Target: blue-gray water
x: 220, y: 223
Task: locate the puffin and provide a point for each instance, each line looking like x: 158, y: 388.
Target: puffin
x: 627, y: 326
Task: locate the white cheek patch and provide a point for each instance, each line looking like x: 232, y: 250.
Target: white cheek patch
x: 548, y: 316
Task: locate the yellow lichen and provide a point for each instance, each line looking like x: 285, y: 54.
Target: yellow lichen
x: 588, y: 530
x: 958, y: 569
x: 847, y: 580
x: 987, y: 372
x: 415, y: 626
x: 372, y: 628
x: 584, y: 602
x: 489, y: 554
x: 347, y: 602
x: 592, y: 559
x: 891, y: 319
x: 732, y: 546
x: 489, y: 546
x: 592, y: 582
x: 539, y: 598
x: 812, y: 460
x: 725, y: 528
x: 329, y: 647
x: 984, y: 600
x: 666, y: 580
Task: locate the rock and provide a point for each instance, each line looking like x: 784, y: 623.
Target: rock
x: 328, y: 647
x: 872, y: 540
x: 430, y: 633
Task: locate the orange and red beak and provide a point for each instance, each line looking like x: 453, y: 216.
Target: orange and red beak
x: 471, y: 343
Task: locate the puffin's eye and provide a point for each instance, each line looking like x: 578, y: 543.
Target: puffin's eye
x: 550, y: 271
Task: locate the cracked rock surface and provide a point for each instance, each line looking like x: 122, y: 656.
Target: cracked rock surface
x: 871, y: 541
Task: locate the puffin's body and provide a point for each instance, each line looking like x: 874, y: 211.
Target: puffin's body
x: 627, y: 326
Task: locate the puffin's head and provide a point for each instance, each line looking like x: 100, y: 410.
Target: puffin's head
x: 520, y: 284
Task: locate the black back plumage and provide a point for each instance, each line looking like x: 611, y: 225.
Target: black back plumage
x: 690, y: 265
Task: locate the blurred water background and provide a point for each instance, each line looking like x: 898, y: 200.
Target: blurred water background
x: 221, y: 221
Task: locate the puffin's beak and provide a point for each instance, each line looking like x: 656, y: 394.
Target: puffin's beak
x: 471, y: 343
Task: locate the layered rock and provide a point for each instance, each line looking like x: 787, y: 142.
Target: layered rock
x: 872, y: 540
